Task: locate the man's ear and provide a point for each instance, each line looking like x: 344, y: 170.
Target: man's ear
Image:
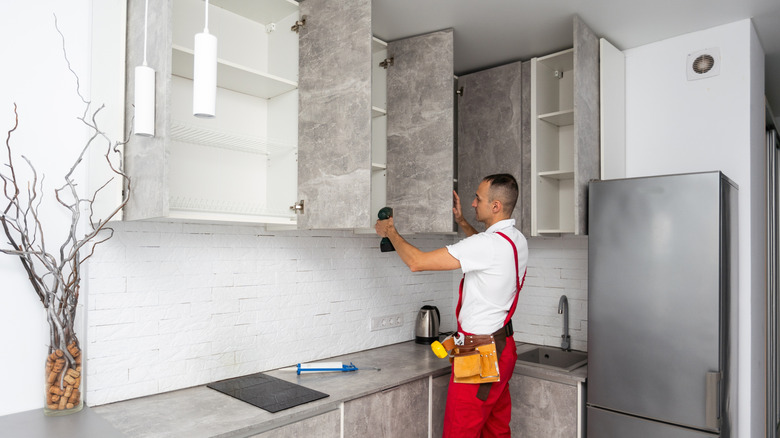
x: 497, y: 207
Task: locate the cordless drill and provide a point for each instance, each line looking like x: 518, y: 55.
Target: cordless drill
x: 385, y: 245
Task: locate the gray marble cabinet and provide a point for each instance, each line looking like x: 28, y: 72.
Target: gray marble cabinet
x: 492, y: 130
x: 334, y: 114
x: 438, y: 403
x: 542, y: 408
x: 420, y: 132
x: 565, y: 139
x: 401, y: 411
x: 327, y: 425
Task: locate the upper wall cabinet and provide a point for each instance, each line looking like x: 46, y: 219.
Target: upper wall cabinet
x: 420, y: 132
x: 242, y: 164
x: 564, y: 134
x: 491, y: 128
x: 335, y: 117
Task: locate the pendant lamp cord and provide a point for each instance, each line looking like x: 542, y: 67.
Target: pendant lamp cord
x: 206, y: 26
x: 146, y: 31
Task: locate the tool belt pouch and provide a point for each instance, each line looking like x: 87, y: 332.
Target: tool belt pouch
x: 475, y: 363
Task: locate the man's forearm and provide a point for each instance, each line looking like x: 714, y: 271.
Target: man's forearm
x: 467, y: 228
x: 405, y: 250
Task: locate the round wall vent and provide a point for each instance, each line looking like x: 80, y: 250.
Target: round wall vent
x: 703, y: 64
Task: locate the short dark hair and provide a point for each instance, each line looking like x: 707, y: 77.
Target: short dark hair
x: 503, y: 187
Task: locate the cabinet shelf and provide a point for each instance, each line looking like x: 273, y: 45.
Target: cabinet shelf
x: 557, y: 174
x: 187, y: 133
x: 559, y: 118
x: 265, y: 12
x: 377, y: 112
x: 187, y: 207
x: 556, y: 231
x: 234, y: 77
x: 377, y: 45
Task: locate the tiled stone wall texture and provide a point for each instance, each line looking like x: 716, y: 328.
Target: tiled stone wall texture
x: 175, y: 305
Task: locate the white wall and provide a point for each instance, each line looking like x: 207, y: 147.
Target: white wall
x: 675, y: 126
x: 176, y: 305
x: 35, y: 76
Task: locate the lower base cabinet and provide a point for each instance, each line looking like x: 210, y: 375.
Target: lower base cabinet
x: 439, y: 387
x: 327, y: 425
x: 542, y: 408
x: 408, y: 410
x: 401, y: 411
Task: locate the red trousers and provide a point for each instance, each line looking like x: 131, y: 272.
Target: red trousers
x: 467, y: 416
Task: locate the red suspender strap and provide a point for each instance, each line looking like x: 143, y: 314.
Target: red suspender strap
x: 517, y: 291
x: 517, y: 276
x: 460, y: 302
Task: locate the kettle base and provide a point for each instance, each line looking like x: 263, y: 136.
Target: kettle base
x: 425, y: 340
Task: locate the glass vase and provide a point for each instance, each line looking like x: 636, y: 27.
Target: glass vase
x: 63, y: 381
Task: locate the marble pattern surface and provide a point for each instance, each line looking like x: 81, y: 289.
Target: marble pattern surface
x: 587, y: 136
x: 203, y: 412
x: 420, y: 132
x: 525, y: 142
x: 490, y: 135
x: 146, y: 158
x: 396, y: 412
x: 439, y: 387
x: 327, y: 425
x: 541, y: 408
x: 334, y: 114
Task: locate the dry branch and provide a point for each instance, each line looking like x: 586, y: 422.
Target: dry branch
x: 56, y: 277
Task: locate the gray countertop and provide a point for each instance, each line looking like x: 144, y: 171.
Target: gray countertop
x: 204, y: 412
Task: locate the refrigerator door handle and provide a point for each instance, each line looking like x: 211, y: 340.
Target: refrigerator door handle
x: 712, y: 403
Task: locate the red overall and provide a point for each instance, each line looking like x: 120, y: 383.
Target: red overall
x: 466, y: 415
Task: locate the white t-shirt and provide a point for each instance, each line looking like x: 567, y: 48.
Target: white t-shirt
x: 488, y: 262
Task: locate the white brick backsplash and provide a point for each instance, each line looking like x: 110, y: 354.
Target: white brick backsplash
x: 175, y: 305
x: 556, y: 266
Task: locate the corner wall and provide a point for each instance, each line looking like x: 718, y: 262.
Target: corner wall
x: 677, y: 126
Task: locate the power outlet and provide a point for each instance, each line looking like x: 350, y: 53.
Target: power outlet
x: 387, y: 321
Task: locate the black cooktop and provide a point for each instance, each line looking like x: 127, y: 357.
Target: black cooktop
x: 267, y: 392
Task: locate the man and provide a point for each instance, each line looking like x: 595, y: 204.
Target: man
x: 493, y: 263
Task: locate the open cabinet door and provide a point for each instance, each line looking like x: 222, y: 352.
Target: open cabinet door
x: 334, y: 114
x: 420, y: 132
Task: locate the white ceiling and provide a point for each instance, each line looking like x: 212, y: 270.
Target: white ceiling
x: 494, y: 32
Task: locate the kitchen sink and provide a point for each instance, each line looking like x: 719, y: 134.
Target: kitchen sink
x: 555, y: 358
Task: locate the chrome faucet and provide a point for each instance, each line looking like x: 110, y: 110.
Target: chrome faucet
x: 563, y: 308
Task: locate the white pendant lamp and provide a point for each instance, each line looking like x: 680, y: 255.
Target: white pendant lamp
x: 204, y: 80
x: 144, y: 92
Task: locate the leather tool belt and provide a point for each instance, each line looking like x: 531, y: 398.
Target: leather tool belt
x: 476, y: 361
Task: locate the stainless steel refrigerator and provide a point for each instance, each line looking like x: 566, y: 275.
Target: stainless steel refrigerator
x: 662, y: 288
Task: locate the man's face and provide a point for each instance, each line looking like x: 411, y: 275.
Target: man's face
x: 481, y: 203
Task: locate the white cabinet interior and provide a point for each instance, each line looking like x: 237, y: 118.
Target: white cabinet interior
x: 240, y: 166
x: 565, y: 134
x: 552, y: 139
x: 243, y: 161
x: 378, y: 126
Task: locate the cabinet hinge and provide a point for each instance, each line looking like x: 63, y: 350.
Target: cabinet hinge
x: 386, y: 63
x: 297, y: 207
x: 298, y: 24
x: 459, y: 92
